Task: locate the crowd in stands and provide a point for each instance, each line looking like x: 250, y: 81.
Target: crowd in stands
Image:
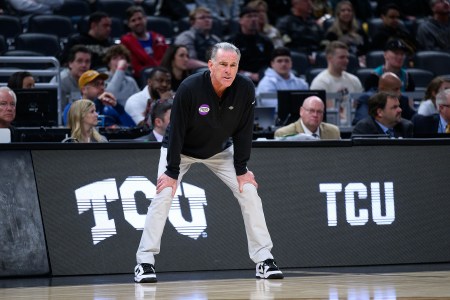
x: 125, y: 62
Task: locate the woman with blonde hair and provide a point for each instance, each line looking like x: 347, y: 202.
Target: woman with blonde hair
x: 347, y: 29
x: 83, y: 118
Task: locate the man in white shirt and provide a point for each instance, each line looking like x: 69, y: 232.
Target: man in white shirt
x: 335, y: 79
x: 158, y: 87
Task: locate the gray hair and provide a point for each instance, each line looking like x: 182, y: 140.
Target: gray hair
x: 226, y: 47
x: 442, y: 96
x: 10, y: 92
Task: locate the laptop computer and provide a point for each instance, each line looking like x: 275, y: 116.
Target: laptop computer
x: 264, y: 117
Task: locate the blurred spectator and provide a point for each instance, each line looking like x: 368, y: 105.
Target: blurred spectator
x: 299, y: 29
x: 224, y: 10
x: 361, y: 8
x: 391, y: 28
x: 435, y: 123
x: 279, y: 76
x: 27, y: 8
x: 309, y: 124
x: 97, y: 39
x: 8, y: 103
x: 390, y: 83
x: 146, y: 47
x: 92, y: 86
x: 264, y: 27
x: 434, y: 32
x: 172, y: 9
x: 79, y: 61
x: 119, y: 83
x: 198, y: 39
x: 21, y: 80
x: 335, y: 79
x: 428, y: 107
x: 160, y: 118
x: 347, y: 29
x: 176, y: 60
x: 385, y: 117
x: 410, y: 9
x: 158, y: 88
x: 394, y: 58
x: 82, y: 121
x: 255, y: 48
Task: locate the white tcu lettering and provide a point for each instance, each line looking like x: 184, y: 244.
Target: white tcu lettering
x: 360, y: 217
x: 93, y: 197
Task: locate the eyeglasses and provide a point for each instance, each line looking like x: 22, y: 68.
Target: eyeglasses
x: 204, y: 18
x: 313, y: 111
x: 4, y: 104
x: 97, y: 84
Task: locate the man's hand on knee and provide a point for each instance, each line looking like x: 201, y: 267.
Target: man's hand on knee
x: 166, y: 181
x: 246, y: 178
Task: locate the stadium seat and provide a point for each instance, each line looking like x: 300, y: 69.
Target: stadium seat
x: 435, y: 61
x: 300, y: 63
x: 162, y: 25
x: 10, y: 28
x: 114, y: 8
x: 52, y: 24
x: 421, y: 78
x: 74, y: 9
x: 45, y: 44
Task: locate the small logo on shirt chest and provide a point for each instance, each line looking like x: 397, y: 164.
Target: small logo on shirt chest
x: 203, y: 109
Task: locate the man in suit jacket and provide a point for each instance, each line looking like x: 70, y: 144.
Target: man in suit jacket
x: 385, y: 117
x: 437, y: 123
x: 160, y: 118
x: 310, y: 123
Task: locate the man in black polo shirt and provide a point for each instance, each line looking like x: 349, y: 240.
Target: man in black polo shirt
x: 210, y: 108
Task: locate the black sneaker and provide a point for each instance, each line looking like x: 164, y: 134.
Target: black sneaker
x: 144, y: 273
x: 268, y: 270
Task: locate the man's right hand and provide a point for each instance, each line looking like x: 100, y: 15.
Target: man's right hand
x: 166, y: 181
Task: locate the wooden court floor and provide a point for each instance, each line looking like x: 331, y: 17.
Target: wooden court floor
x: 404, y: 282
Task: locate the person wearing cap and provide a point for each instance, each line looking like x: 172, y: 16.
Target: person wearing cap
x: 395, y: 52
x: 92, y: 87
x: 434, y: 33
x: 256, y: 49
x: 279, y: 75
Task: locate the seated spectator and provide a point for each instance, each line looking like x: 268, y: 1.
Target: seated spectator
x: 119, y: 83
x: 279, y: 76
x: 8, y: 103
x: 264, y: 27
x: 389, y: 82
x: 176, y: 60
x: 299, y: 29
x: 21, y: 80
x: 434, y: 32
x: 392, y: 28
x: 158, y: 88
x: 335, y: 79
x: 83, y: 119
x: 146, y: 47
x: 255, y: 48
x: 309, y: 124
x: 345, y: 28
x: 92, y: 86
x: 435, y: 123
x: 385, y: 117
x: 198, y: 39
x: 97, y: 39
x: 27, y: 8
x: 394, y: 57
x: 79, y: 61
x: 160, y: 119
x: 172, y: 9
x: 428, y: 107
x: 223, y: 10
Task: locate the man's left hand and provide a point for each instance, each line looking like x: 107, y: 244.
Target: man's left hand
x: 246, y: 178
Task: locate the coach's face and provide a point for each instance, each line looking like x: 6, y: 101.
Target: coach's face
x: 223, y: 68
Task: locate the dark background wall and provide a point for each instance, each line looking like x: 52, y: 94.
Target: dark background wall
x: 390, y: 208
